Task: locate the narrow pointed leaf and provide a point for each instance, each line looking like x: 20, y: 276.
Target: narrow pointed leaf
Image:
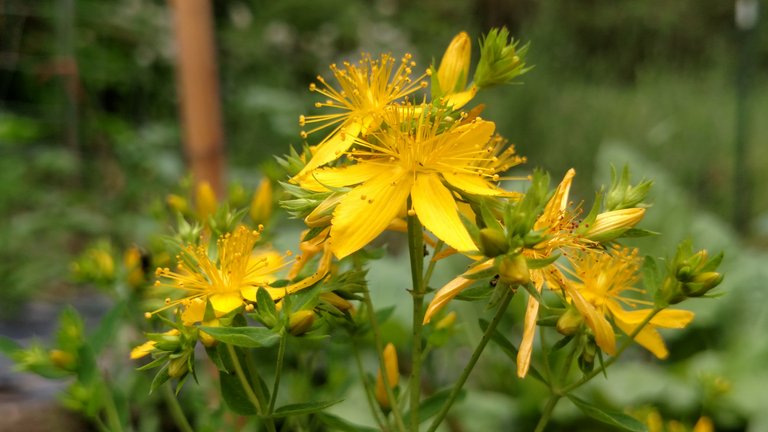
x: 611, y: 417
x: 303, y: 408
x: 248, y: 337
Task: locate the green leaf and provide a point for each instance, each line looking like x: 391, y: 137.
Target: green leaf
x: 611, y: 417
x: 431, y: 405
x: 383, y: 314
x: 248, y: 337
x: 638, y: 232
x: 338, y: 424
x: 8, y: 346
x: 651, y: 276
x: 234, y: 394
x: 265, y: 306
x: 105, y: 332
x: 303, y: 408
x: 475, y: 293
x: 160, y: 379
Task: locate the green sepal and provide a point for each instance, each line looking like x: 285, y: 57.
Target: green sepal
x: 537, y: 263
x: 265, y: 306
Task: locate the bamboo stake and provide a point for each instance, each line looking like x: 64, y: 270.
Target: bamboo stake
x: 198, y: 89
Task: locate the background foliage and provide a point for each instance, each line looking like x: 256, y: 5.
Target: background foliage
x: 90, y: 152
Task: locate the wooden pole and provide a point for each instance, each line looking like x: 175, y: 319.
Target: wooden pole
x: 198, y: 88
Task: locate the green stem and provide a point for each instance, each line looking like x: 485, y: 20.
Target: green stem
x: 473, y: 360
x: 613, y: 359
x: 432, y: 262
x: 369, y: 392
x: 416, y: 253
x: 380, y: 351
x: 547, y: 413
x: 176, y: 412
x: 278, y: 372
x: 250, y: 392
x: 113, y: 419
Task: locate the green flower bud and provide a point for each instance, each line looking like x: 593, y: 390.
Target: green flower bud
x: 513, y: 270
x: 569, y: 322
x: 493, y: 242
x: 178, y: 366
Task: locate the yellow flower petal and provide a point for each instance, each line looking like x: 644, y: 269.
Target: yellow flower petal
x: 333, y: 147
x: 320, y: 180
x: 452, y: 289
x: 225, y: 303
x: 437, y: 211
x: 557, y: 203
x: 648, y: 337
x: 458, y: 100
x: 471, y: 135
x: 194, y: 311
x: 142, y: 350
x: 367, y: 210
x: 529, y: 332
x: 472, y: 184
x: 668, y: 318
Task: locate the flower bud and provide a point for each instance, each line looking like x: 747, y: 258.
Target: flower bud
x: 168, y: 342
x: 587, y: 358
x: 261, y: 205
x: 569, y: 322
x: 206, y: 339
x: 612, y: 224
x: 336, y: 301
x: 178, y: 366
x: 62, y: 359
x: 205, y: 200
x: 393, y: 375
x: 454, y: 67
x: 701, y: 284
x: 493, y: 242
x: 300, y: 322
x: 177, y: 203
x: 446, y: 322
x: 513, y: 270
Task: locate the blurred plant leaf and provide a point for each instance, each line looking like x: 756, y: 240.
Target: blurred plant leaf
x: 248, y: 337
x: 611, y: 417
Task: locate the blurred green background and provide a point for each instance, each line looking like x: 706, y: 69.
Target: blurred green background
x: 90, y: 140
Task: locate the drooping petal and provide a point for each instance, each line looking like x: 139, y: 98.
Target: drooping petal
x: 472, y: 184
x: 668, y: 318
x: 604, y: 335
x: 452, y: 289
x: 332, y: 148
x: 142, y: 350
x: 438, y: 212
x: 529, y: 329
x: 367, y: 210
x: 648, y: 337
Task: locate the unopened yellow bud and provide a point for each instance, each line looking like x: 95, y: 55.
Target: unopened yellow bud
x: 704, y: 425
x: 322, y: 214
x: 261, y: 205
x: 447, y: 321
x: 62, y: 359
x: 177, y: 203
x: 569, y: 322
x: 454, y: 67
x: 205, y: 200
x: 393, y: 375
x: 300, y: 322
x: 513, y: 270
x: 612, y: 224
x: 337, y: 301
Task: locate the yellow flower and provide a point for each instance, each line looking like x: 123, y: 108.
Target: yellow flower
x: 147, y: 347
x: 365, y: 92
x: 600, y: 293
x: 230, y: 279
x: 412, y: 158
